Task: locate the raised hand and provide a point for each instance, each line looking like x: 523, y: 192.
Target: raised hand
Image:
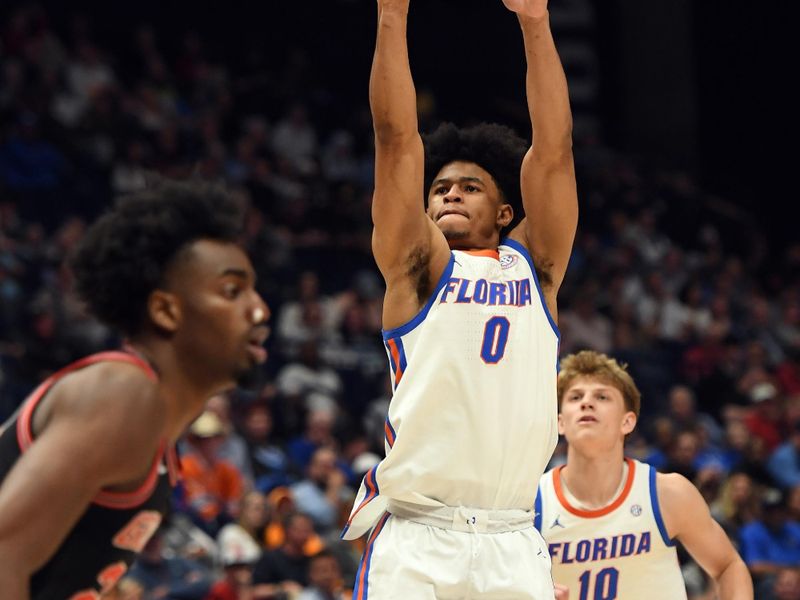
x: 529, y: 8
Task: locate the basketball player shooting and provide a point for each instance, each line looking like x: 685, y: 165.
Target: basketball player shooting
x: 87, y: 462
x: 469, y: 326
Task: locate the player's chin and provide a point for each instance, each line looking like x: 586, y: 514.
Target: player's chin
x: 455, y: 234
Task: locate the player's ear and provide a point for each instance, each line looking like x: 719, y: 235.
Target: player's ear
x: 164, y: 310
x: 505, y: 214
x: 629, y: 422
x: 560, y: 423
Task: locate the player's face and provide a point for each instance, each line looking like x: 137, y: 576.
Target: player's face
x: 465, y: 204
x: 593, y: 412
x: 222, y: 317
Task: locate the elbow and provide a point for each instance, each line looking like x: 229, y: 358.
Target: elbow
x: 389, y: 134
x: 555, y: 146
x: 553, y: 157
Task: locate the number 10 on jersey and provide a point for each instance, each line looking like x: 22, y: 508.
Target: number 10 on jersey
x: 495, y: 338
x: 605, y: 584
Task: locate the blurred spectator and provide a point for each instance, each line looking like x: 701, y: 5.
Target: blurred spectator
x: 784, y: 463
x: 318, y: 433
x: 684, y: 414
x: 162, y: 576
x: 287, y: 567
x: 294, y: 139
x: 308, y: 375
x: 737, y: 504
x: 325, y: 579
x: 268, y: 461
x: 233, y: 448
x: 683, y: 455
x: 773, y: 542
x: 583, y: 327
x: 311, y: 316
x: 282, y: 506
x: 786, y: 585
x: 765, y: 419
x: 323, y: 495
x: 212, y: 486
x: 788, y: 372
x: 242, y: 542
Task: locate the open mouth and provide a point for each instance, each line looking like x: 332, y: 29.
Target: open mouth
x: 255, y: 344
x: 587, y: 419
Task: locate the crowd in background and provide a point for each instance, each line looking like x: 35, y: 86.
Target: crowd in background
x: 681, y: 285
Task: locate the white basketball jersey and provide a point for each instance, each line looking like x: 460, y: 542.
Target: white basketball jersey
x: 620, y: 552
x: 473, y: 418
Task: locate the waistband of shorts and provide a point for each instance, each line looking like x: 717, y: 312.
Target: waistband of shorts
x: 462, y: 518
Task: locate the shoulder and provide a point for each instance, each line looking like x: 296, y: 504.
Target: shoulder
x: 680, y: 502
x: 118, y: 387
x: 673, y: 487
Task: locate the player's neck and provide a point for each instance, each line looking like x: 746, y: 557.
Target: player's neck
x: 185, y: 394
x: 594, y: 480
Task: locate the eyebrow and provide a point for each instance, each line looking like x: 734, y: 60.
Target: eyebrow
x: 460, y: 180
x: 244, y: 274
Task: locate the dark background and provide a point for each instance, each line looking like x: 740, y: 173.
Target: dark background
x: 701, y: 85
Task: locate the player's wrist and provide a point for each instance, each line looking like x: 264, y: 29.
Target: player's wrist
x: 534, y: 21
x: 398, y: 7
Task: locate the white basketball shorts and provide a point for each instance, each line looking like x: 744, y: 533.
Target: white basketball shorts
x: 418, y: 553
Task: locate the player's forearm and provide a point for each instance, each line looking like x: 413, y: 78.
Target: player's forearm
x: 391, y: 89
x: 546, y: 87
x: 735, y: 582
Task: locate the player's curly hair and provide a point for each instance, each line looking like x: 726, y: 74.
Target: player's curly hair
x: 495, y: 148
x: 125, y: 254
x: 595, y: 365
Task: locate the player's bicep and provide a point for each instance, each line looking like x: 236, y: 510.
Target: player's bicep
x: 550, y: 199
x: 689, y: 520
x: 398, y: 210
x: 46, y: 492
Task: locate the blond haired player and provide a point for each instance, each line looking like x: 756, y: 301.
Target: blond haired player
x: 611, y: 522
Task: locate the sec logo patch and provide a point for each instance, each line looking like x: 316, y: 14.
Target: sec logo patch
x: 507, y: 261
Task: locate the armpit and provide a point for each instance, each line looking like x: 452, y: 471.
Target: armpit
x: 419, y: 271
x: 544, y: 271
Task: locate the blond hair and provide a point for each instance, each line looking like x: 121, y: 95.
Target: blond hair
x: 595, y: 365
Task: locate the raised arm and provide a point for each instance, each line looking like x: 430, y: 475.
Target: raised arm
x: 402, y: 232
x: 99, y: 434
x: 549, y: 193
x: 688, y: 519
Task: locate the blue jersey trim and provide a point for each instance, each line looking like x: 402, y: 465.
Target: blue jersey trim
x: 537, y: 507
x: 657, y: 509
x: 524, y: 252
x: 412, y: 324
x: 362, y: 592
x: 402, y: 350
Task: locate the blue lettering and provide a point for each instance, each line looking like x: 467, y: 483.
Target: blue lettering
x: 512, y: 292
x: 497, y: 294
x: 566, y: 560
x: 599, y: 552
x: 449, y: 288
x: 582, y: 551
x: 462, y: 292
x: 644, y: 543
x: 628, y: 543
x: 480, y: 293
x: 524, y: 292
x: 613, y: 553
x: 554, y: 549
